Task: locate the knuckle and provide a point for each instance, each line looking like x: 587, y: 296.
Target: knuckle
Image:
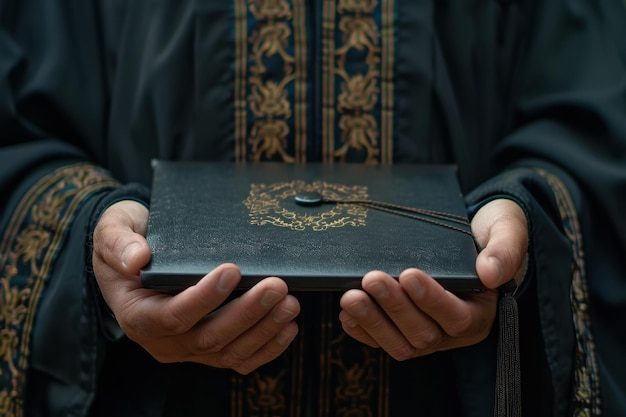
x: 427, y: 339
x: 250, y: 316
x: 233, y: 360
x: 461, y: 328
x: 266, y: 332
x: 172, y: 323
x: 403, y: 353
x: 210, y: 341
x: 395, y: 309
x: 376, y: 325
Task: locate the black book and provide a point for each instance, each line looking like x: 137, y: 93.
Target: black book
x: 319, y: 227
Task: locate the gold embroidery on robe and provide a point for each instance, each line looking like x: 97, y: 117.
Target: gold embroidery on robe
x: 270, y: 105
x: 274, y: 390
x: 357, y: 80
x: 586, y: 378
x: 27, y: 252
x: 270, y: 77
x: 356, y: 87
x: 354, y: 377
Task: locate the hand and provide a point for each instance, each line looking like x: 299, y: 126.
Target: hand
x: 415, y: 316
x: 190, y: 326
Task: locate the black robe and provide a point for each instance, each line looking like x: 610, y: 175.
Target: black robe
x: 528, y: 98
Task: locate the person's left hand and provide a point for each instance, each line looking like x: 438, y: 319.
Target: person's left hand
x: 415, y: 316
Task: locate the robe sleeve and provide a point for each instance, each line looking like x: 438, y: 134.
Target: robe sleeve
x: 51, y: 188
x: 564, y: 160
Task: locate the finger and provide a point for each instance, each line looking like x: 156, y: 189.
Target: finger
x: 469, y: 319
x: 418, y: 328
x: 237, y: 317
x: 501, y: 229
x: 182, y: 311
x: 377, y: 324
x: 267, y: 340
x: 271, y: 350
x: 145, y: 314
x: 119, y: 240
x: 352, y: 328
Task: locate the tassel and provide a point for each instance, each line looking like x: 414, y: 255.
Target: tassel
x: 508, y: 378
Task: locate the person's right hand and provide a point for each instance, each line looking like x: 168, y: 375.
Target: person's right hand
x: 243, y: 334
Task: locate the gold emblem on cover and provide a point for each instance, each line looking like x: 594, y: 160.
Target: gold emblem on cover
x: 269, y: 205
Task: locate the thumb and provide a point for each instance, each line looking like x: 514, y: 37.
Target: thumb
x: 119, y: 238
x: 501, y: 231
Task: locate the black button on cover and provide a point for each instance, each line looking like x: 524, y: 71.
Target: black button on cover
x: 308, y: 198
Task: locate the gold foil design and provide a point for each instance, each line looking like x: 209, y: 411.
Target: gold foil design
x: 266, y: 203
x: 32, y: 238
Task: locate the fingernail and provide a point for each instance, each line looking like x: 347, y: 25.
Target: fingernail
x: 128, y: 253
x: 270, y: 298
x: 414, y: 285
x: 378, y: 290
x: 284, y: 338
x: 228, y: 280
x: 283, y: 315
x: 358, y: 309
x: 349, y: 322
x: 498, y: 265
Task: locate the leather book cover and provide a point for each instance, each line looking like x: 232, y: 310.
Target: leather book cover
x: 319, y: 227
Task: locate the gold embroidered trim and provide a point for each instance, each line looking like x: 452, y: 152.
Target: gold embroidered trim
x: 270, y: 97
x: 300, y: 81
x: 275, y: 390
x: 271, y: 124
x: 328, y: 80
x: 364, y: 103
x: 241, y: 63
x: 27, y: 253
x: 387, y: 80
x: 355, y: 377
x: 586, y: 377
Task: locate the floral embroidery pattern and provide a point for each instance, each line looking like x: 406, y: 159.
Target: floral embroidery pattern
x: 274, y: 391
x: 27, y: 252
x: 270, y: 77
x: 586, y: 377
x: 356, y: 384
x: 356, y: 50
x: 269, y: 104
x: 358, y: 56
x: 358, y: 374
